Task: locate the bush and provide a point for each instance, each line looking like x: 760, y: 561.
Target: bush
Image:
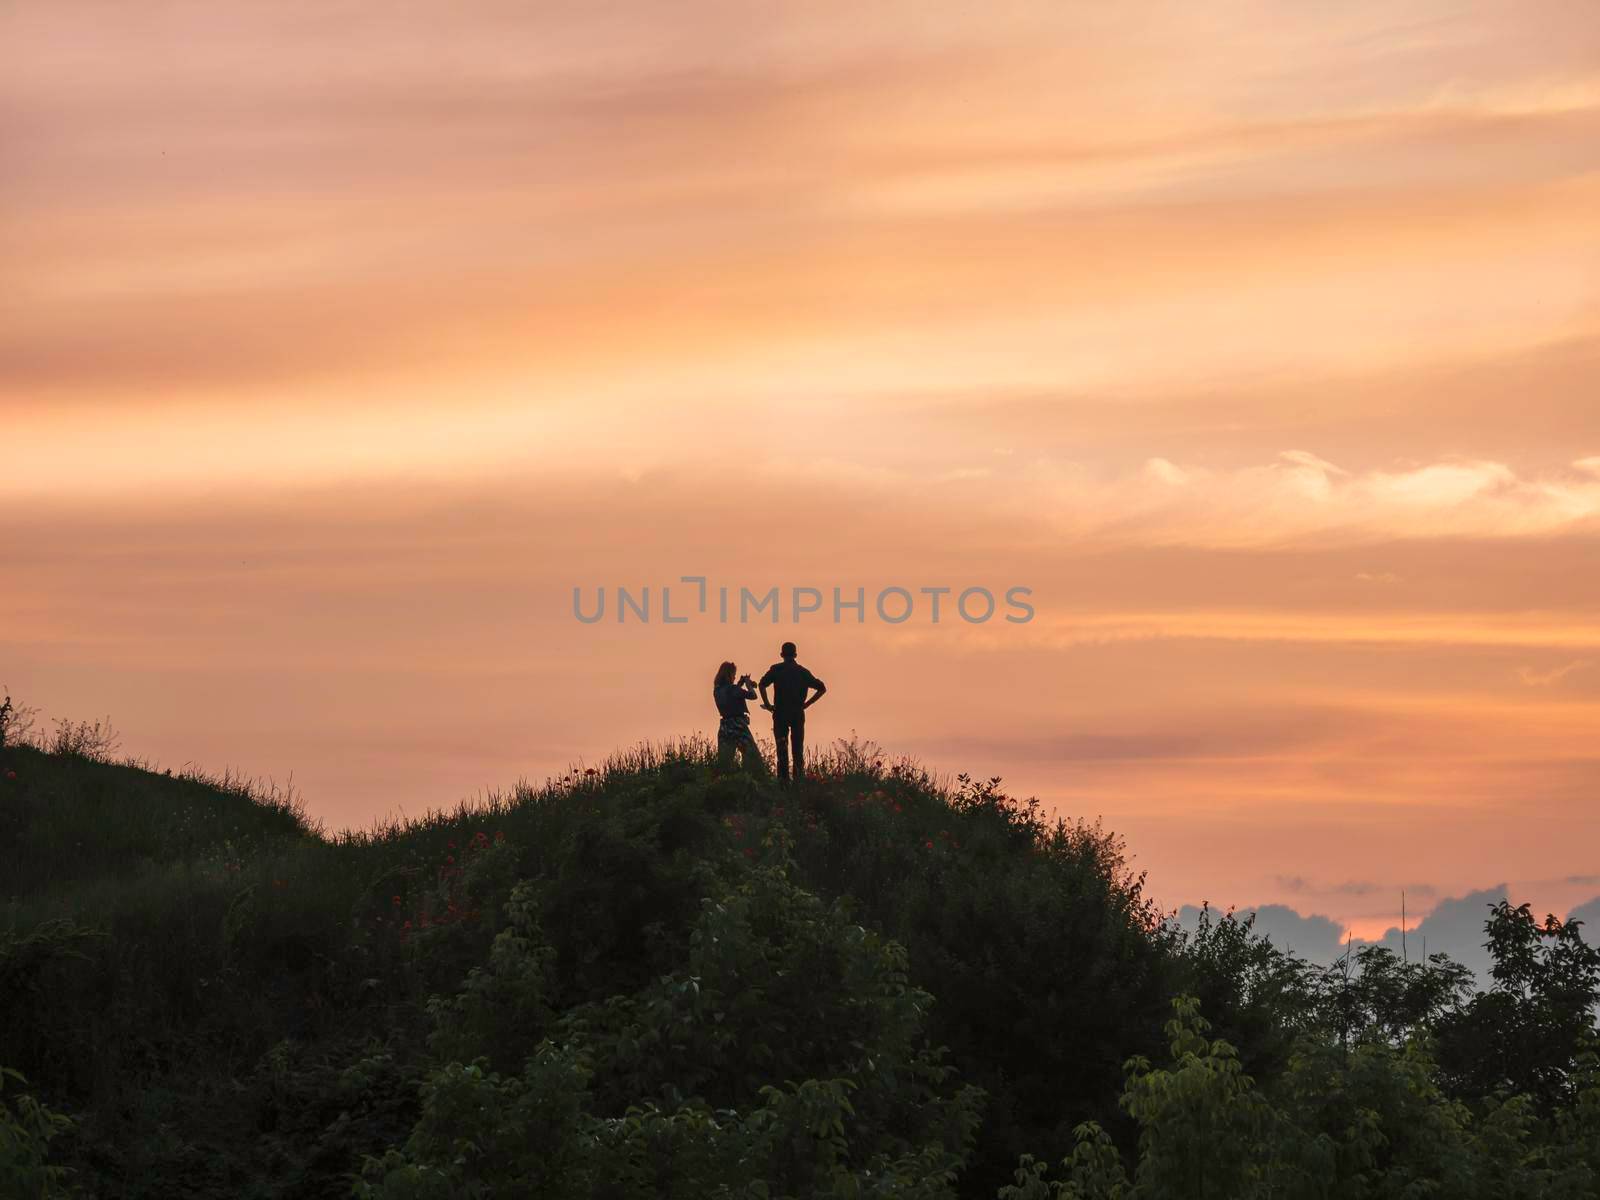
x: 1340, y: 1124
x: 689, y: 1087
x: 26, y: 1130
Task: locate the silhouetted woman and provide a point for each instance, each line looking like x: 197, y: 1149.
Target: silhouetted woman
x: 733, y: 734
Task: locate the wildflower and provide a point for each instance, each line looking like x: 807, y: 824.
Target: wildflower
x: 591, y: 771
x: 749, y: 852
x: 11, y: 775
x: 407, y: 925
x: 395, y: 900
x: 927, y: 845
x: 499, y: 837
x: 450, y: 858
x: 452, y: 845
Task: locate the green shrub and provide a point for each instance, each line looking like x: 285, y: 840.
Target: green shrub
x: 26, y: 1131
x: 1370, y: 1122
x: 787, y: 1053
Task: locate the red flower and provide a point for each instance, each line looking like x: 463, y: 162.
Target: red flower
x: 499, y: 837
x: 591, y: 771
x: 11, y: 775
x: 749, y: 852
x: 927, y: 845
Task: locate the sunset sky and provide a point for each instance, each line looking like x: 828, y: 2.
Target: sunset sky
x: 339, y: 343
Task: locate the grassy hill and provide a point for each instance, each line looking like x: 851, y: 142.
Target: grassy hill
x: 656, y: 978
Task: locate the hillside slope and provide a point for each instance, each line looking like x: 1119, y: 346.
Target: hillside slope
x: 656, y: 978
x: 199, y: 964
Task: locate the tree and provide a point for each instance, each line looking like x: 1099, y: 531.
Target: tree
x: 1525, y: 1034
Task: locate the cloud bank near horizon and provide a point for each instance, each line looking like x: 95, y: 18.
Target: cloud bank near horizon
x: 1453, y: 927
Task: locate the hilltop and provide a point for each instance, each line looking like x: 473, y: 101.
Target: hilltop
x: 657, y: 978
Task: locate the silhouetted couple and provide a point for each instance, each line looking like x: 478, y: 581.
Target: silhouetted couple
x: 789, y: 682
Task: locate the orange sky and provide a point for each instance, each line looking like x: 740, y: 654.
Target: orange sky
x: 1261, y: 340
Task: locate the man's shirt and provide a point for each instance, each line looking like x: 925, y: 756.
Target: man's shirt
x: 790, y: 682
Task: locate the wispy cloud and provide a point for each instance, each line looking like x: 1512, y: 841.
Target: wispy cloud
x: 1301, y: 496
x: 1402, y: 627
x: 1354, y: 887
x: 1536, y: 678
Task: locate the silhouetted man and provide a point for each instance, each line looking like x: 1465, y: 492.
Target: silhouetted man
x: 789, y: 682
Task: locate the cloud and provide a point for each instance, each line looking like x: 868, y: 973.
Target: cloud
x: 1352, y: 887
x: 1535, y: 678
x: 830, y: 193
x: 1299, y: 497
x: 1589, y: 913
x: 1454, y: 927
x: 1315, y: 938
x: 1406, y: 627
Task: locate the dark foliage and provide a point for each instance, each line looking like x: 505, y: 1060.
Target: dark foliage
x: 1523, y: 1034
x: 655, y: 978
